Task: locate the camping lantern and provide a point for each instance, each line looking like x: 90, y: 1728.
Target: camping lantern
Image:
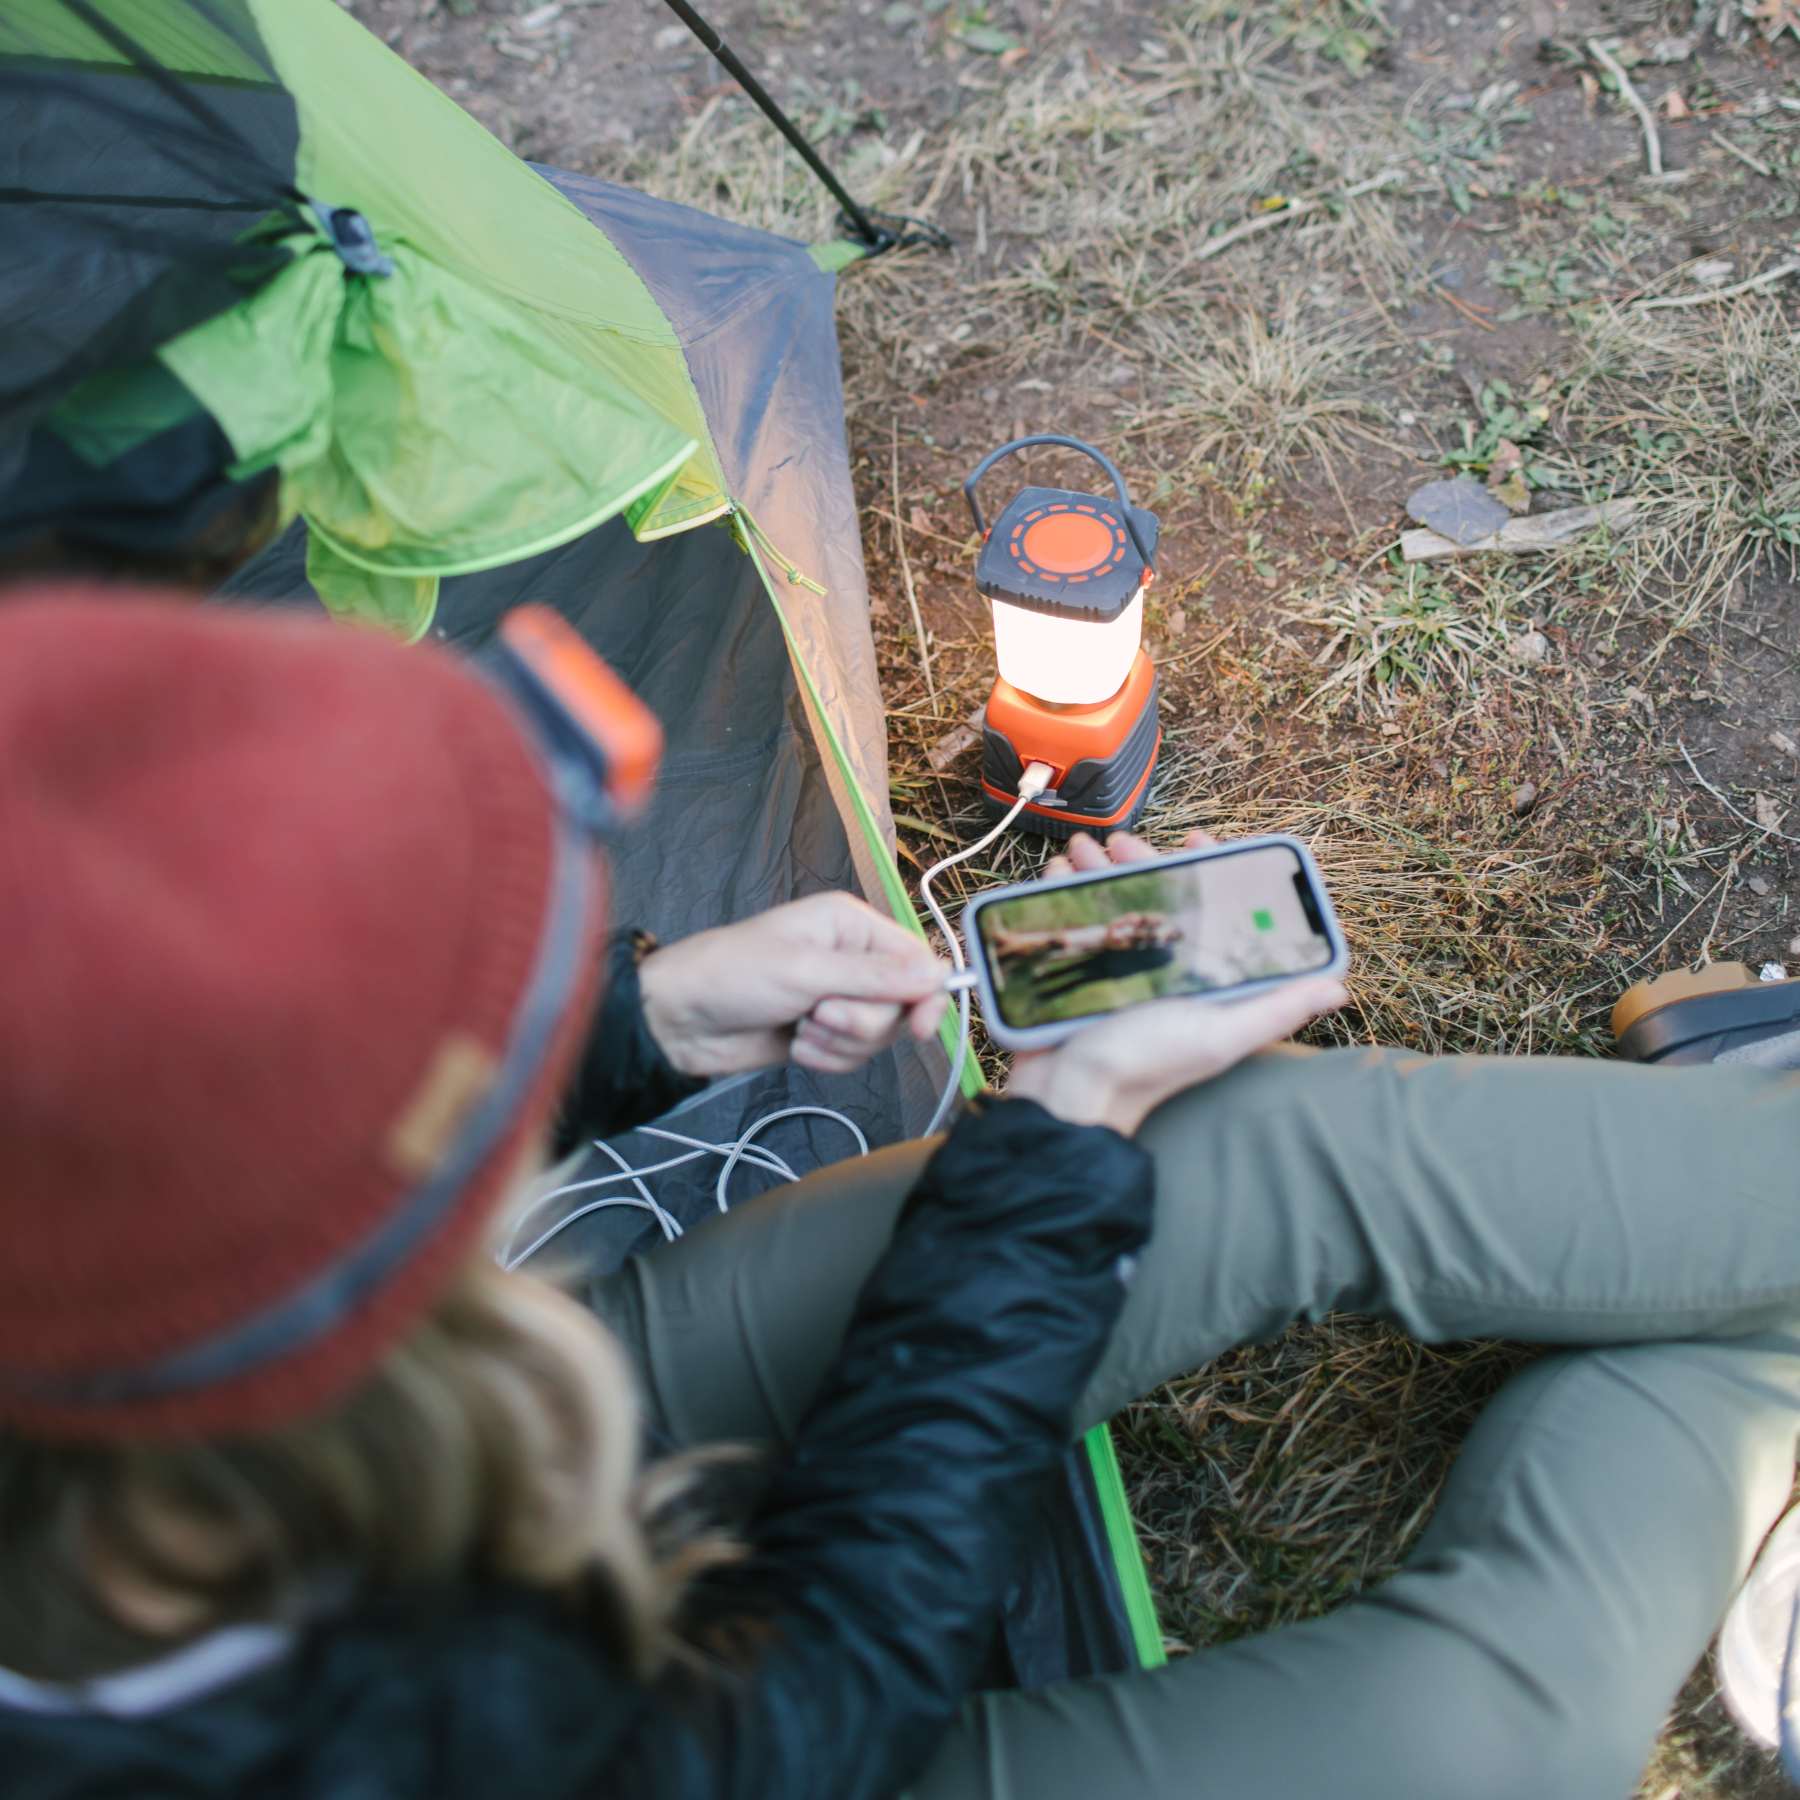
x: 1066, y: 574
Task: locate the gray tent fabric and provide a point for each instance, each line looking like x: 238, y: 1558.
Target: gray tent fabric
x: 755, y: 316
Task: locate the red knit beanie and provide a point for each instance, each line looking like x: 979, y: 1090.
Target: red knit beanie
x: 298, y: 956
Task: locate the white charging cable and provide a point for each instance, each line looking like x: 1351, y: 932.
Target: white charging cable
x: 741, y: 1149
x: 744, y: 1149
x: 1033, y: 783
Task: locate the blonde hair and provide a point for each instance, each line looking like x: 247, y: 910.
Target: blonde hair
x: 500, y: 1440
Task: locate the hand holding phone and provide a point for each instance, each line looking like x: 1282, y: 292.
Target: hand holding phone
x: 1120, y: 1068
x: 1213, y: 921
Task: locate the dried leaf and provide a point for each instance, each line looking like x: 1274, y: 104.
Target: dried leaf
x: 909, y: 822
x: 1512, y: 493
x: 1506, y: 458
x: 1768, y: 813
x: 1675, y: 108
x: 990, y: 40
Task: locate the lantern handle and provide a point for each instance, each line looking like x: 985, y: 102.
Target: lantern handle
x: 1067, y: 443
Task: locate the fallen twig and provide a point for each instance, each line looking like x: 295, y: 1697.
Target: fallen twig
x: 1250, y: 227
x: 1743, y: 156
x: 1766, y: 279
x: 1724, y: 801
x: 1463, y: 307
x: 956, y: 740
x: 1646, y: 118
x: 912, y: 598
x: 1519, y: 537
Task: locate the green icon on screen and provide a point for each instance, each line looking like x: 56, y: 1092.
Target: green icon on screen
x: 1263, y: 919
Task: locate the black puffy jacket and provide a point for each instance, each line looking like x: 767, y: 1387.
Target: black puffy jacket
x: 876, y: 1562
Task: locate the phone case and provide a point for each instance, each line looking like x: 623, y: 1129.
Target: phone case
x: 1038, y: 1037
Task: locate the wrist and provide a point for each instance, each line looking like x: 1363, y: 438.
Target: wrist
x: 664, y: 1015
x: 1077, y: 1096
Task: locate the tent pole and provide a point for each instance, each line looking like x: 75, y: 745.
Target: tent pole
x: 875, y: 234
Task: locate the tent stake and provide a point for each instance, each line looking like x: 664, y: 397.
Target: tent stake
x: 877, y: 232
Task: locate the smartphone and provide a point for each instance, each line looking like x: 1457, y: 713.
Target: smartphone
x: 1051, y: 956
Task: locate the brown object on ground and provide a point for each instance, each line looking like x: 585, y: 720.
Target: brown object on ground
x: 956, y: 740
x: 1645, y: 997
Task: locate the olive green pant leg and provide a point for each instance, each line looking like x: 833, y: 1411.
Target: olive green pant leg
x: 1603, y: 1508
x: 1599, y: 1516
x: 1549, y: 1199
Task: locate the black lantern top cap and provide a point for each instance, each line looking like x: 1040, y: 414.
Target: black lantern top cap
x: 1057, y: 551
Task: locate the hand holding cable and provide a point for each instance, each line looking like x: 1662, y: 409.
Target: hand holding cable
x: 826, y: 982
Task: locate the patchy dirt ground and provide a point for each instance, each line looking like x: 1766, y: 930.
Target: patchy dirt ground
x: 1286, y: 260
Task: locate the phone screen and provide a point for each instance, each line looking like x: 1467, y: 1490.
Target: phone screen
x: 1152, y: 932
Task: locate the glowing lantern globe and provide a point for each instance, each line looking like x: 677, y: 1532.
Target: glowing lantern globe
x: 1066, y: 574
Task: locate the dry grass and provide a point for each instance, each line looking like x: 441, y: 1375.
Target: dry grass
x: 1315, y: 686
x: 1697, y: 410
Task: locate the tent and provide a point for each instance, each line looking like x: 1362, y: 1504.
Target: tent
x: 243, y: 231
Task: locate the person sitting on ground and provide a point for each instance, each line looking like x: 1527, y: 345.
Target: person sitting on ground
x: 302, y: 1494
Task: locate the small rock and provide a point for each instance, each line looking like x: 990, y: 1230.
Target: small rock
x: 1524, y: 798
x: 670, y: 36
x: 1530, y: 647
x: 1712, y: 271
x: 1794, y: 946
x: 1389, y: 728
x: 1785, y: 744
x: 1768, y: 814
x: 1178, y: 621
x: 1440, y: 768
x: 1759, y: 885
x: 1461, y: 510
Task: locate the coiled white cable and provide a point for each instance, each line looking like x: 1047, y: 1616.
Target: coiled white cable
x: 741, y: 1149
x: 1034, y: 782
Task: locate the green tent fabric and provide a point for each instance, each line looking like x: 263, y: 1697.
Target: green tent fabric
x: 508, y: 385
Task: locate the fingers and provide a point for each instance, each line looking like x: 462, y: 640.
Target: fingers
x: 839, y: 1035
x: 859, y: 1029
x: 1086, y: 854
x: 900, y: 978
x: 842, y: 922
x: 1127, y: 847
x: 1199, y: 840
x: 922, y: 1018
x: 809, y: 1052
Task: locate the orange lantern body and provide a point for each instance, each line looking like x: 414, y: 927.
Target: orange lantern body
x: 1066, y: 574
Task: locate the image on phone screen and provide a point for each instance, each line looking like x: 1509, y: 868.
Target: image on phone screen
x: 1152, y: 933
